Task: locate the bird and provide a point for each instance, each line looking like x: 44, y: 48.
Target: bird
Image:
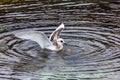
x: 54, y: 42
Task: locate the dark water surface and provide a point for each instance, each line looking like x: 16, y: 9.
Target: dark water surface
x: 92, y: 36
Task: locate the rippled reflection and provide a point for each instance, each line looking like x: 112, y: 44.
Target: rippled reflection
x: 92, y: 48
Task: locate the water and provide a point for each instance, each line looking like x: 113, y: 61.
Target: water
x: 92, y: 49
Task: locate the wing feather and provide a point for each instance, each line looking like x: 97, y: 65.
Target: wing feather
x: 36, y: 36
x: 55, y: 34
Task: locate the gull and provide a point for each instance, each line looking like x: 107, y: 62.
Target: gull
x: 54, y: 42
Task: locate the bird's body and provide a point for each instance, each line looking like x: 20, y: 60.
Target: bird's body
x: 53, y: 43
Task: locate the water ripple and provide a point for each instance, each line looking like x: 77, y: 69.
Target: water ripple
x: 91, y: 33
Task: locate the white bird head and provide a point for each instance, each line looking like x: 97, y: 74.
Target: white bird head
x: 60, y: 41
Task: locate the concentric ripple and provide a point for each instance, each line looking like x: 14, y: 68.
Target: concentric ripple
x: 94, y: 51
x: 92, y: 36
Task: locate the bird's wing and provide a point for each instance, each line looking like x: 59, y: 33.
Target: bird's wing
x: 55, y: 34
x: 36, y: 36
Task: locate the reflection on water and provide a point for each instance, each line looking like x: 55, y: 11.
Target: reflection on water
x: 92, y: 48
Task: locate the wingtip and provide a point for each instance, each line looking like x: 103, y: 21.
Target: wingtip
x: 62, y: 25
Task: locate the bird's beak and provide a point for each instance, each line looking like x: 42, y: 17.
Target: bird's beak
x: 64, y: 43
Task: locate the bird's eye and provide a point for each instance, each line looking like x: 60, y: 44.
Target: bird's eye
x: 61, y: 41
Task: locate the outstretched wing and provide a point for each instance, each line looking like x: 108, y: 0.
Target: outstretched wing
x: 36, y: 36
x: 56, y: 33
